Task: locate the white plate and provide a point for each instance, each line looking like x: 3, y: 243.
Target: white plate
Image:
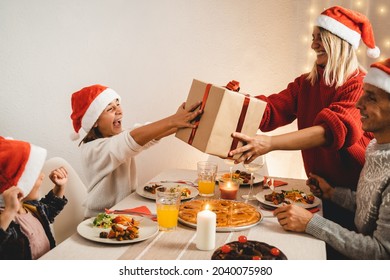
x: 258, y: 178
x: 140, y: 190
x: 147, y: 229
x: 261, y: 199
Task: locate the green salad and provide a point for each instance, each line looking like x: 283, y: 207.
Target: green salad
x: 102, y: 220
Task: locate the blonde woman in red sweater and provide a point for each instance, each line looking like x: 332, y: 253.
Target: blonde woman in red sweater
x: 323, y: 102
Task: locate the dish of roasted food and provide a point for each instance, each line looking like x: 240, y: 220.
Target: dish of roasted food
x: 288, y: 196
x: 149, y: 191
x: 117, y: 229
x: 242, y: 177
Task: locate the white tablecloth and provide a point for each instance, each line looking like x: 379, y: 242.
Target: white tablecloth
x: 180, y: 245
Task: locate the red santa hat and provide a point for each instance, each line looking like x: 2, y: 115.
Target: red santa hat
x: 87, y: 105
x: 350, y: 26
x: 20, y: 165
x: 379, y: 75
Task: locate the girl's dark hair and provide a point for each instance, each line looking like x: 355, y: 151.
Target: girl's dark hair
x: 93, y: 134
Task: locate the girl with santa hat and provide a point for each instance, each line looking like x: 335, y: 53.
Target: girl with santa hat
x: 108, y: 150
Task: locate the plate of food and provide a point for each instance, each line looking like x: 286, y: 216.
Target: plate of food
x: 287, y: 195
x: 242, y: 177
x: 231, y: 215
x: 117, y: 229
x: 244, y: 249
x: 149, y: 190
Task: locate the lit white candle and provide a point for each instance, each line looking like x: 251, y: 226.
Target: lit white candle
x: 205, y: 230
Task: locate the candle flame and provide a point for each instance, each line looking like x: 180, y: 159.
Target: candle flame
x: 206, y: 207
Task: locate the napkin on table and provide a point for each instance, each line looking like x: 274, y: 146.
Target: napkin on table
x: 140, y: 210
x: 277, y: 183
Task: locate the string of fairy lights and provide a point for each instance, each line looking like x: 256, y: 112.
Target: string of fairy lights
x: 377, y: 10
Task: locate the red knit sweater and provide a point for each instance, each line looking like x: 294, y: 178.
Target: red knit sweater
x: 341, y: 159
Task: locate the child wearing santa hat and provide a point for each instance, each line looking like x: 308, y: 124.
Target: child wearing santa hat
x: 371, y: 201
x: 108, y: 150
x: 329, y: 133
x: 24, y: 220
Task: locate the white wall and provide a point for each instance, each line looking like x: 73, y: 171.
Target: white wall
x: 149, y: 52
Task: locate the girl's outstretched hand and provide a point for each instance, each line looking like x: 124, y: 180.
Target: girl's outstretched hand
x: 59, y: 176
x: 184, y: 117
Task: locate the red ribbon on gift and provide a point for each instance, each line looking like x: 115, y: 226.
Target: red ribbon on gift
x: 205, y: 96
x: 234, y: 86
x: 240, y: 123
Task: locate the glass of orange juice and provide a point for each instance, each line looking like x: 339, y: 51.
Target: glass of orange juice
x: 167, y: 204
x: 207, y: 173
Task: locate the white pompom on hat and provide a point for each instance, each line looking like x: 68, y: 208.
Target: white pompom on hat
x: 379, y: 75
x: 87, y: 105
x: 350, y: 26
x: 20, y: 165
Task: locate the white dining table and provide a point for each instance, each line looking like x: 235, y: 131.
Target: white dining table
x: 180, y: 243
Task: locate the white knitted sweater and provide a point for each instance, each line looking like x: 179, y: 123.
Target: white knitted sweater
x: 110, y: 170
x: 371, y: 201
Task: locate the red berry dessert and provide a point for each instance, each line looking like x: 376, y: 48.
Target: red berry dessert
x: 244, y: 249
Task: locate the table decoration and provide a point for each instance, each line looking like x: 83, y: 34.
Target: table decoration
x: 205, y: 230
x: 228, y: 189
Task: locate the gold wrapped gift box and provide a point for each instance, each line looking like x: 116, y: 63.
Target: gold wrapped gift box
x: 224, y: 112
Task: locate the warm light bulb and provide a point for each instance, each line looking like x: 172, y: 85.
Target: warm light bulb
x: 382, y: 10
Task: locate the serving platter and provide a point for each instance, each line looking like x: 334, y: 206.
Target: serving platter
x: 226, y: 210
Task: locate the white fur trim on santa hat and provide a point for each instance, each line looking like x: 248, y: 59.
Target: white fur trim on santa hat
x: 339, y: 29
x: 378, y: 78
x: 74, y: 136
x: 96, y: 108
x: 373, y: 53
x: 32, y: 170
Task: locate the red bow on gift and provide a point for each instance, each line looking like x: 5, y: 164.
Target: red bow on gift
x: 233, y: 85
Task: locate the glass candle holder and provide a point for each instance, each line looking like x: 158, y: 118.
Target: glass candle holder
x: 228, y: 189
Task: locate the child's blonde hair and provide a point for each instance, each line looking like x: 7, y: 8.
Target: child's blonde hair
x: 342, y: 60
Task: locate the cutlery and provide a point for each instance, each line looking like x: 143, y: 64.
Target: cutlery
x: 130, y: 212
x: 175, y: 182
x: 270, y: 184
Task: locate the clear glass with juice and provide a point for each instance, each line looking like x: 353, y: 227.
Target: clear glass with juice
x: 167, y: 204
x: 207, y: 173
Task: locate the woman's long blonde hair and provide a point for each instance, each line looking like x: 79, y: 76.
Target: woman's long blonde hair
x: 342, y: 60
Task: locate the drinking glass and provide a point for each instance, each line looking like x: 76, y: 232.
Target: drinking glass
x: 231, y: 163
x: 167, y: 204
x: 207, y: 173
x: 251, y: 167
